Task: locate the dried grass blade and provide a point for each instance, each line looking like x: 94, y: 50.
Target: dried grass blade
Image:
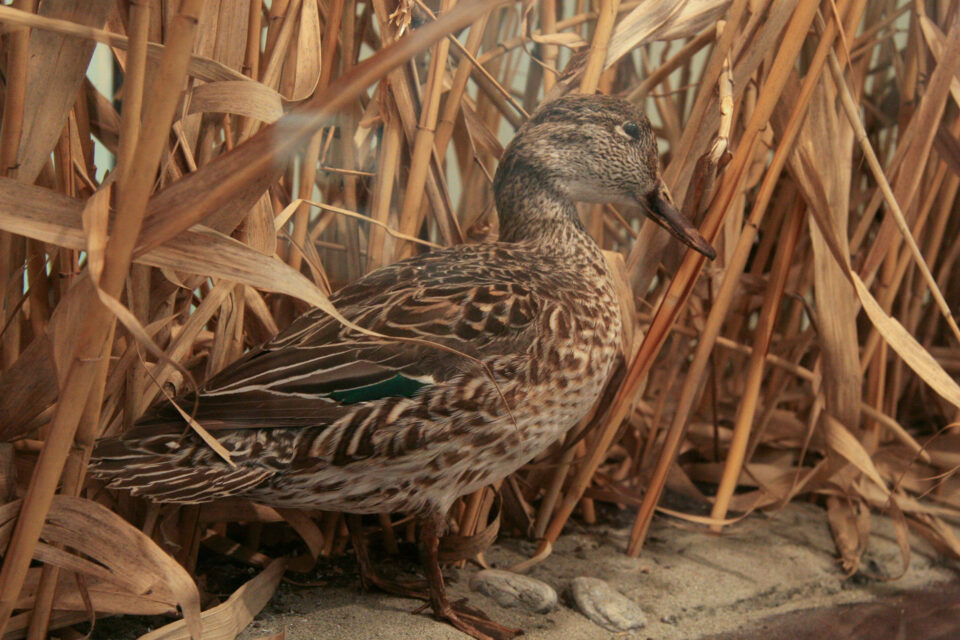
x: 199, y: 66
x: 306, y: 73
x: 907, y: 347
x: 663, y: 21
x: 851, y: 110
x: 56, y: 72
x: 827, y: 142
x: 98, y: 325
x: 682, y: 284
x: 121, y: 553
x: 226, y: 621
x: 249, y: 167
x: 844, y: 443
x: 243, y: 98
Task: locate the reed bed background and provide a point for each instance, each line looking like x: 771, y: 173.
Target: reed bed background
x: 262, y: 154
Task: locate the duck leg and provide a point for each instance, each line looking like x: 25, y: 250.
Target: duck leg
x: 370, y: 578
x: 470, y: 621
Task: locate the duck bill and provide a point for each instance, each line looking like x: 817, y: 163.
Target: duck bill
x: 660, y: 209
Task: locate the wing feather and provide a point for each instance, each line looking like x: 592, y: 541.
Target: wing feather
x: 317, y: 372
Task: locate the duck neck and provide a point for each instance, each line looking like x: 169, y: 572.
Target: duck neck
x: 533, y: 205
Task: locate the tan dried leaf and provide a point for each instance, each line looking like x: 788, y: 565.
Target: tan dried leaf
x: 842, y: 441
x: 118, y: 553
x: 850, y: 526
x: 306, y: 74
x: 226, y: 621
x: 564, y: 39
x: 665, y: 20
x: 58, y: 65
x: 250, y: 99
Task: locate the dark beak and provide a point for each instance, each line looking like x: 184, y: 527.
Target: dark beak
x: 660, y: 209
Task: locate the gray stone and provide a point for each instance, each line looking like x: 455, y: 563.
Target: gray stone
x: 514, y: 590
x: 606, y: 606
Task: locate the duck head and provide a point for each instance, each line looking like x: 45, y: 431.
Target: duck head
x: 592, y: 149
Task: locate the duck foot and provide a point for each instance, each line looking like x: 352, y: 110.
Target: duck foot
x: 370, y: 578
x: 472, y: 622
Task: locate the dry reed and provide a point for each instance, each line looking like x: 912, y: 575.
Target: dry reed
x: 816, y: 143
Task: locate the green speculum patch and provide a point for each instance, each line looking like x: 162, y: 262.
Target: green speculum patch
x: 397, y: 386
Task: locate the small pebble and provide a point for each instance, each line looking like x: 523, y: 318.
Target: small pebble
x: 514, y: 590
x: 606, y: 606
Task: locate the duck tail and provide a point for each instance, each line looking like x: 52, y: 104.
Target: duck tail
x: 171, y: 468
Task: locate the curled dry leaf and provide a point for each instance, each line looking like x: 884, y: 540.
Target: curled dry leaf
x: 106, y: 597
x: 107, y: 548
x: 306, y: 528
x: 454, y: 548
x: 850, y: 526
x: 842, y: 441
x: 226, y: 621
x: 663, y: 21
x: 250, y: 99
x: 564, y: 39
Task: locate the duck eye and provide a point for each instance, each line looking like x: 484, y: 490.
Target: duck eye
x: 632, y: 129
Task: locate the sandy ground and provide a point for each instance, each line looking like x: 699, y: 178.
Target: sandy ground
x: 689, y: 584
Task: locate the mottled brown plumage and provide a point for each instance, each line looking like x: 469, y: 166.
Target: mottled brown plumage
x: 324, y: 417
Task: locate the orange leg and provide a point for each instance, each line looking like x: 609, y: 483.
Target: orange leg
x: 370, y: 578
x: 471, y: 621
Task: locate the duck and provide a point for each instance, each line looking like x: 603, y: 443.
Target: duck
x: 478, y: 358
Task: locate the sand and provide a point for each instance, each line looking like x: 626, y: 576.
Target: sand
x: 689, y: 584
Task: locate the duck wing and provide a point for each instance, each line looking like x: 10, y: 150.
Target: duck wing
x: 318, y: 372
x: 440, y: 321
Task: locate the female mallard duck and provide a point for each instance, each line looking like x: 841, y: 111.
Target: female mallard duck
x: 322, y: 417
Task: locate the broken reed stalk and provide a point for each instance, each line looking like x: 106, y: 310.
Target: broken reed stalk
x: 710, y: 77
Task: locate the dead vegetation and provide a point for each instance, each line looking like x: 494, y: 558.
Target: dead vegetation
x: 268, y: 152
